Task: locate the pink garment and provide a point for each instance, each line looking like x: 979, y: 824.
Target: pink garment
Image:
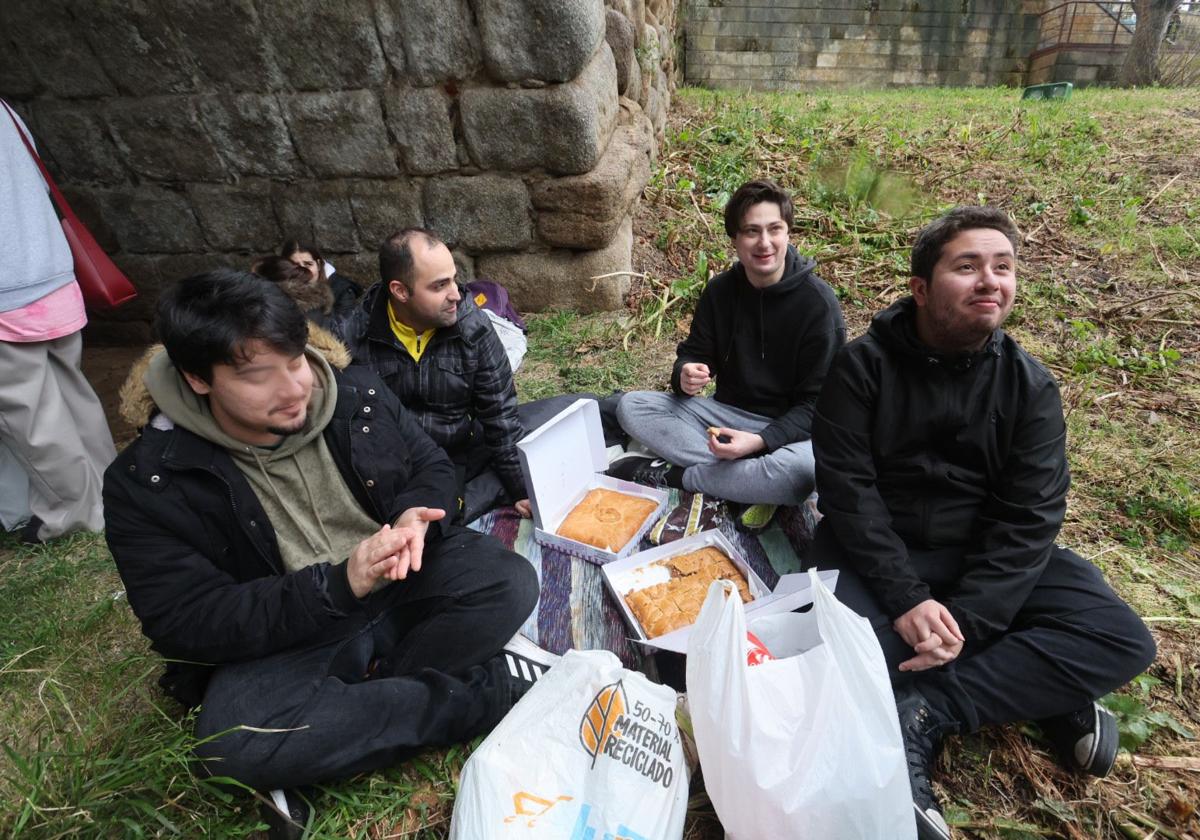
x: 57, y: 314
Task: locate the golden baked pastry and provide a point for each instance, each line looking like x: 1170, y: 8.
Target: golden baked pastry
x: 607, y: 519
x: 664, y: 607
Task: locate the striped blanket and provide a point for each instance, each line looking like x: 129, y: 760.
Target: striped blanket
x: 576, y: 611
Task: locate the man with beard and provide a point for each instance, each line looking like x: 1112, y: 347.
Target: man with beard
x: 280, y: 529
x: 941, y: 462
x: 440, y: 355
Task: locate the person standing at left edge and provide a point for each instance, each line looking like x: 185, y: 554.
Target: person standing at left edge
x: 941, y: 461
x: 50, y: 418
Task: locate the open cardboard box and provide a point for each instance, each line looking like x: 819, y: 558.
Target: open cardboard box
x: 562, y: 461
x: 637, y: 572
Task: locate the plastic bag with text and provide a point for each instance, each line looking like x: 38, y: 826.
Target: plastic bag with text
x: 808, y: 744
x: 592, y: 752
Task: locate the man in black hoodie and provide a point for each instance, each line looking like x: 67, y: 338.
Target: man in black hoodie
x: 766, y: 331
x: 941, y: 459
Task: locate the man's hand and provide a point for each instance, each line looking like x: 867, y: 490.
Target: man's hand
x: 373, y: 558
x: 740, y: 444
x: 933, y: 634
x: 413, y: 523
x: 524, y: 508
x: 693, y: 376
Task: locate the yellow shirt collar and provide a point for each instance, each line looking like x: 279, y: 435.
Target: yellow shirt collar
x: 415, y: 344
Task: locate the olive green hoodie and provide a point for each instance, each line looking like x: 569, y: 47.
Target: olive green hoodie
x: 315, y: 516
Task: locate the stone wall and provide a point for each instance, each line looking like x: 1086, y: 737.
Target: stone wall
x: 190, y: 134
x: 790, y: 44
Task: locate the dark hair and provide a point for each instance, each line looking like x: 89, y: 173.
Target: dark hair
x: 280, y: 270
x: 751, y: 193
x: 295, y: 246
x: 207, y: 320
x: 934, y: 236
x: 396, y: 257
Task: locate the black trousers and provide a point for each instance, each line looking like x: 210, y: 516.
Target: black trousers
x: 317, y: 717
x: 479, y: 485
x: 1071, y: 642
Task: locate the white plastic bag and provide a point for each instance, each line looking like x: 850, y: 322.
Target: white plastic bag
x: 807, y: 745
x: 592, y: 751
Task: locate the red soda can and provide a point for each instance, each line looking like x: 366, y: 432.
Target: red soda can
x: 756, y: 651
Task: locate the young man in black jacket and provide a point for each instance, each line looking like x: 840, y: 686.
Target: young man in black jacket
x: 279, y: 527
x: 440, y: 355
x: 941, y: 459
x: 765, y: 331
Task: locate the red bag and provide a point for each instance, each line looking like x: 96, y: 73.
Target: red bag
x: 104, y: 286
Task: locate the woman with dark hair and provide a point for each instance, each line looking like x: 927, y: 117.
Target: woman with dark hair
x: 313, y: 294
x: 345, y: 291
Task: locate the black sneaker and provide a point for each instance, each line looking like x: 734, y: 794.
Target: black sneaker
x: 28, y: 533
x: 286, y: 814
x: 1086, y: 740
x: 522, y: 664
x: 653, y: 472
x: 923, y: 730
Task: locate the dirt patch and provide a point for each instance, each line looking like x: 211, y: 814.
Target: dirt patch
x: 106, y: 368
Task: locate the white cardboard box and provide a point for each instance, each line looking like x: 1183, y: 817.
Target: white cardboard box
x: 562, y: 461
x: 633, y: 573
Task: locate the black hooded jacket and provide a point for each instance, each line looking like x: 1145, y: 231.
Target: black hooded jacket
x: 767, y: 348
x: 919, y: 450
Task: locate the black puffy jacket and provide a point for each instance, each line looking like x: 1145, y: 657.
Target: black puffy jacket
x: 460, y: 391
x: 919, y: 450
x: 199, y: 558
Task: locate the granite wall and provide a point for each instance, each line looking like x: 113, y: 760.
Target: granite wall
x: 190, y: 134
x: 791, y: 44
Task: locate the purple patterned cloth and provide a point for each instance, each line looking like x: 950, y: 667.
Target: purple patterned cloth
x: 575, y: 609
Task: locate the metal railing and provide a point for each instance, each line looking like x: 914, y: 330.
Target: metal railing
x: 1086, y: 24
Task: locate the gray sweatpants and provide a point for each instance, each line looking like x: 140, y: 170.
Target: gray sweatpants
x: 54, y: 424
x: 675, y: 428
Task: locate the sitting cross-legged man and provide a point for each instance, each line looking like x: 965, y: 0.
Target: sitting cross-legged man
x: 941, y: 458
x: 439, y: 354
x: 280, y: 528
x: 765, y: 331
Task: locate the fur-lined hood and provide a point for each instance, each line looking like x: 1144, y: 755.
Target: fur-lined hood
x: 137, y: 406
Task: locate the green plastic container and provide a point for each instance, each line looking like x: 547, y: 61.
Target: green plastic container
x: 1052, y: 90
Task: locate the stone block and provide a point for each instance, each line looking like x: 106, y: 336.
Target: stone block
x: 250, y: 133
x: 152, y: 220
x: 585, y: 211
x: 87, y: 206
x: 162, y: 137
x: 325, y: 44
x: 340, y: 134
x: 420, y: 121
x: 620, y: 36
x: 178, y: 267
x: 565, y: 279
x: 16, y: 78
x: 74, y: 134
x: 143, y: 272
x: 440, y: 39
x: 50, y: 47
x: 381, y: 208
x: 360, y: 266
x: 464, y: 265
x: 230, y: 47
x: 316, y: 212
x: 236, y: 218
x: 571, y: 122
x: 138, y: 46
x: 480, y: 213
x: 547, y: 40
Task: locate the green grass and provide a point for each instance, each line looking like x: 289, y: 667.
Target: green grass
x: 1107, y: 300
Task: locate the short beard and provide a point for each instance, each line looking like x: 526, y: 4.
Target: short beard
x: 284, y: 431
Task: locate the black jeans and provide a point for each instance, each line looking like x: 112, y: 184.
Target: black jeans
x: 434, y: 634
x: 1071, y: 642
x: 480, y: 486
